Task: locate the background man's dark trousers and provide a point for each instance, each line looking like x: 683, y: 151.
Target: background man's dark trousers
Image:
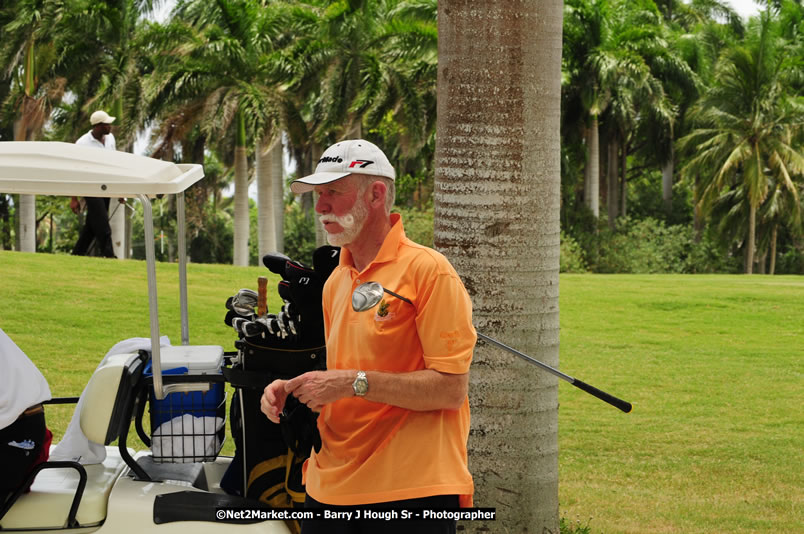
x: 96, y: 227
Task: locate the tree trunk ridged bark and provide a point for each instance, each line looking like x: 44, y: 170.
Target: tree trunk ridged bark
x: 624, y: 180
x: 278, y: 195
x: 592, y: 195
x: 613, y: 181
x: 241, y: 221
x: 497, y: 220
x: 774, y: 235
x: 26, y: 215
x: 667, y: 185
x: 752, y: 239
x: 265, y: 193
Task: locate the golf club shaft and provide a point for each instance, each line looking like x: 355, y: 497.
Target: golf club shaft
x: 602, y: 395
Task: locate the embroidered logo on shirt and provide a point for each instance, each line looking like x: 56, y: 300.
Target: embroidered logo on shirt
x: 383, y: 311
x: 26, y: 445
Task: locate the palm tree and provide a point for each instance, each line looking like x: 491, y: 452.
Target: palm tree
x: 746, y: 128
x: 30, y: 58
x: 497, y: 219
x: 605, y: 46
x: 218, y: 53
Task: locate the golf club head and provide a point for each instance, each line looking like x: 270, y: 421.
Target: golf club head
x: 252, y: 328
x: 237, y: 324
x: 244, y: 302
x: 366, y: 296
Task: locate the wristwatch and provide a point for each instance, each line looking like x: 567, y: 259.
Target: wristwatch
x: 360, y: 385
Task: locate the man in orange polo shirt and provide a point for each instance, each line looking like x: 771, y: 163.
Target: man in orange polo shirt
x: 394, y: 410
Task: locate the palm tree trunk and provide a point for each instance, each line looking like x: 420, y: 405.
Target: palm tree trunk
x: 278, y: 192
x: 774, y: 232
x: 241, y: 217
x: 592, y: 194
x: 26, y: 210
x: 26, y: 217
x: 507, y: 252
x: 624, y: 182
x: 612, y: 177
x: 265, y: 194
x: 752, y: 236
x: 667, y: 182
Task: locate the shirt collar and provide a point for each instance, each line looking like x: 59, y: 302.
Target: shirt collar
x: 388, y: 250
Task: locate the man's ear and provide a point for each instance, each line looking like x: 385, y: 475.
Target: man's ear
x: 378, y: 190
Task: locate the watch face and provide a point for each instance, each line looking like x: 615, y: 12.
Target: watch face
x: 361, y: 386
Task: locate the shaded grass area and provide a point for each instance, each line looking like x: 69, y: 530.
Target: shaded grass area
x: 714, y: 366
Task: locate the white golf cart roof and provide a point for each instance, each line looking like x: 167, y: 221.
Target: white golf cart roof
x: 53, y: 168
x: 66, y: 169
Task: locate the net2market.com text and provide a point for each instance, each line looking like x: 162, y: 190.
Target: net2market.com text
x: 355, y: 514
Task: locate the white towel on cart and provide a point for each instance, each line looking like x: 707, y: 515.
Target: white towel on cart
x: 75, y: 446
x: 186, y: 439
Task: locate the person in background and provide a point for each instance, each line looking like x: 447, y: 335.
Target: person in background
x: 393, y: 402
x: 96, y: 225
x: 24, y: 438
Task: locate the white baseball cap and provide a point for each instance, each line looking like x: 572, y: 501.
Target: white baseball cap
x: 355, y: 156
x: 100, y: 117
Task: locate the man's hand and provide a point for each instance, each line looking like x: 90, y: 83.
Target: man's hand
x: 317, y: 388
x: 273, y: 400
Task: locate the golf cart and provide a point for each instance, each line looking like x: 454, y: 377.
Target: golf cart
x: 177, y: 485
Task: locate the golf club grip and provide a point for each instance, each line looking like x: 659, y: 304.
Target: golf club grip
x: 602, y: 395
x: 262, y: 296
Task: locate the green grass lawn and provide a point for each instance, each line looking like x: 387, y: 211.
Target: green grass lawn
x: 712, y: 364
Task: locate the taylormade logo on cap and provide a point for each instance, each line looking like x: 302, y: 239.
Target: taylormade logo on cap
x: 356, y: 156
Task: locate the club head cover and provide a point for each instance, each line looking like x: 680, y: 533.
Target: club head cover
x: 283, y: 288
x: 325, y: 259
x: 306, y: 287
x: 275, y: 261
x: 230, y: 315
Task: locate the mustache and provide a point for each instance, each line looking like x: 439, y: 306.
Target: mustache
x: 346, y: 221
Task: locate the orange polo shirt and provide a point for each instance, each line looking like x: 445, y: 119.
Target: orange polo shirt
x: 373, y: 452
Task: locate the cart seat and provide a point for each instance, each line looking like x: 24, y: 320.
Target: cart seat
x: 103, y: 416
x: 48, y: 503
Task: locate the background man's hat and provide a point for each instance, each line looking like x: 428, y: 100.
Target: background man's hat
x: 100, y: 117
x: 356, y: 156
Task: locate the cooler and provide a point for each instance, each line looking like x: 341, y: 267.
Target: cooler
x: 188, y: 425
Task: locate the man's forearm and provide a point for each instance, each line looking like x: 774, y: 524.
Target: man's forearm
x: 416, y: 390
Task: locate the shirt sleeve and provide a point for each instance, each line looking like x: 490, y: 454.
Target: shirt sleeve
x: 444, y: 325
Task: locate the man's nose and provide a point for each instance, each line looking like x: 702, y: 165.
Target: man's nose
x: 321, y: 205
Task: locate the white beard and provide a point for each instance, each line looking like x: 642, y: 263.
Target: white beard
x: 351, y: 222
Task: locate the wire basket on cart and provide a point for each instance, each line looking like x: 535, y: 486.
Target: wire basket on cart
x: 189, y: 425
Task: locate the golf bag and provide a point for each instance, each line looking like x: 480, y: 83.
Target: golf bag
x: 269, y: 457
